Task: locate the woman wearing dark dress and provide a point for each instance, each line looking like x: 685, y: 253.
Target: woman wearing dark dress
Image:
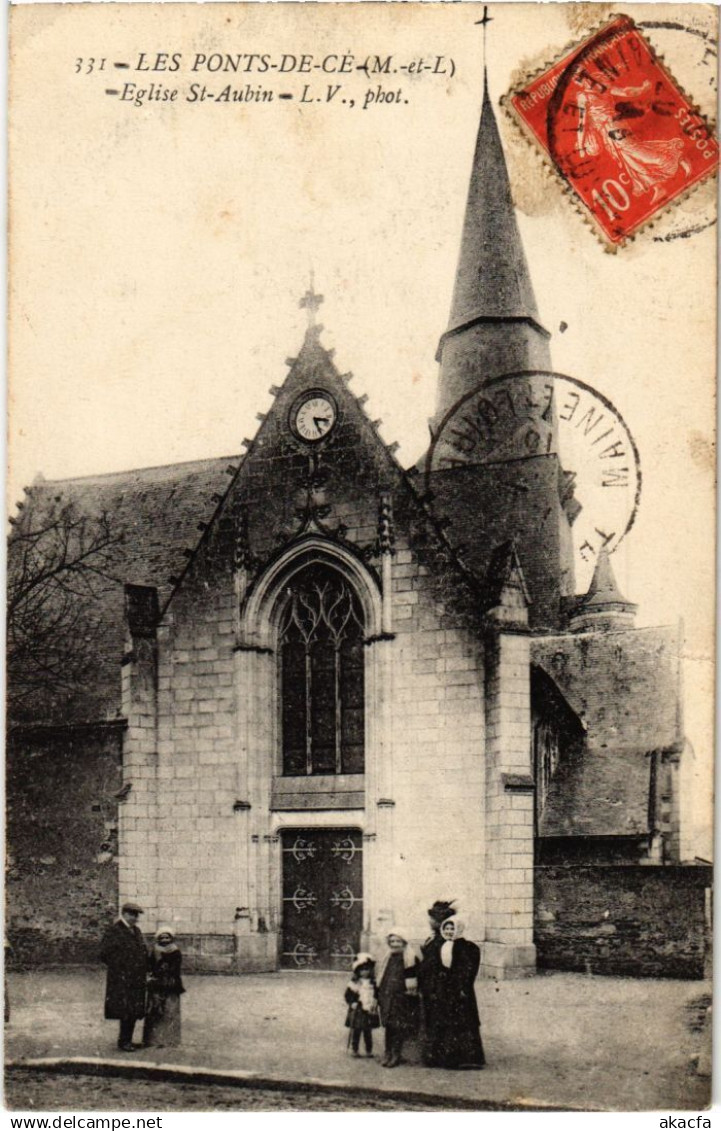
x: 452, y: 965
x: 162, y: 1020
x: 428, y: 981
x: 398, y: 994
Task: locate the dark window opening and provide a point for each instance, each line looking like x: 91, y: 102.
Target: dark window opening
x: 558, y: 738
x: 322, y: 676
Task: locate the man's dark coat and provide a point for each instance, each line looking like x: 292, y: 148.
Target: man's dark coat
x: 124, y: 953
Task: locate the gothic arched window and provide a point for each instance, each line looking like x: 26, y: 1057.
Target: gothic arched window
x: 322, y: 675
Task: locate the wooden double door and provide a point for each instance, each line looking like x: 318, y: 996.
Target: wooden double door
x: 322, y: 898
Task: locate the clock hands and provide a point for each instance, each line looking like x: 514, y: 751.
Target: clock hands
x: 313, y: 416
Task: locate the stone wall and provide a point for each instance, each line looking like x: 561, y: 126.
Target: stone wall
x: 436, y: 746
x: 213, y: 769
x: 62, y: 880
x: 636, y: 920
x: 508, y: 951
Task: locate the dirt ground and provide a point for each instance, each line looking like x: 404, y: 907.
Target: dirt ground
x: 561, y: 1040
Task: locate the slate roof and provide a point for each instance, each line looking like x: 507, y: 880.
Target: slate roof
x: 604, y: 589
x: 600, y: 793
x: 158, y: 510
x: 504, y: 571
x: 625, y: 688
x: 489, y: 505
x: 492, y: 281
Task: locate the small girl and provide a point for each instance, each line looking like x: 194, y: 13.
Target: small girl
x: 165, y: 985
x: 360, y: 994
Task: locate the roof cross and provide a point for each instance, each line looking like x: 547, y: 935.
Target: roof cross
x: 484, y: 24
x: 311, y: 301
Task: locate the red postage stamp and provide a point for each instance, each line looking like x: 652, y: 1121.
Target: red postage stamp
x: 618, y: 129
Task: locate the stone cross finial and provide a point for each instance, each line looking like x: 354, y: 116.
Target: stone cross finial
x: 311, y: 301
x: 484, y: 24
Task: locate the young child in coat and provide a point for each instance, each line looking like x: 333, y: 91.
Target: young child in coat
x: 398, y: 994
x: 360, y: 995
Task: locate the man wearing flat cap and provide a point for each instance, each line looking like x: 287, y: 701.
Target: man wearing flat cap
x: 124, y: 953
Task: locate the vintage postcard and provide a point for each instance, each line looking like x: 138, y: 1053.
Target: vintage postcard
x: 361, y: 556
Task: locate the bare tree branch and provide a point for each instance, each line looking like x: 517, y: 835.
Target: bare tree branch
x: 60, y: 561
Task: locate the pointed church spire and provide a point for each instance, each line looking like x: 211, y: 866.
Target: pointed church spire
x: 492, y: 280
x: 494, y: 308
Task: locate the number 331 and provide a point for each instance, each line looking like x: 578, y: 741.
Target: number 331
x: 87, y: 66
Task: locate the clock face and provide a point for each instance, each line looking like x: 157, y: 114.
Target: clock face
x: 314, y: 417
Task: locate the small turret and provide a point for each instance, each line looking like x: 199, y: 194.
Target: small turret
x: 603, y: 608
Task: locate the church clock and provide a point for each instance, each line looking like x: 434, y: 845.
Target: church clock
x: 313, y: 416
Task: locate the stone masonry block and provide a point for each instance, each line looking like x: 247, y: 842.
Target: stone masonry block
x: 517, y: 936
x: 456, y: 706
x: 425, y: 675
x: 184, y: 770
x: 405, y: 571
x: 519, y: 816
x: 201, y: 641
x: 508, y: 906
x: 498, y: 920
x: 459, y: 677
x: 461, y: 692
x: 427, y: 706
x: 497, y: 861
x: 224, y: 732
x: 523, y: 802
x: 403, y: 612
x: 524, y: 833
x: 223, y: 691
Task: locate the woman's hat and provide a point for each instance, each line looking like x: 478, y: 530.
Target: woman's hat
x: 363, y: 960
x: 399, y: 932
x: 457, y: 923
x: 165, y: 931
x: 441, y: 909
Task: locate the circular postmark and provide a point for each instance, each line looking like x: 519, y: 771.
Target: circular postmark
x: 538, y: 414
x: 621, y: 132
x: 693, y: 48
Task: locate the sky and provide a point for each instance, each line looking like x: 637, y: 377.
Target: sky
x: 158, y: 253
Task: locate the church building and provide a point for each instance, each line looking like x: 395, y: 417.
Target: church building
x: 331, y: 690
